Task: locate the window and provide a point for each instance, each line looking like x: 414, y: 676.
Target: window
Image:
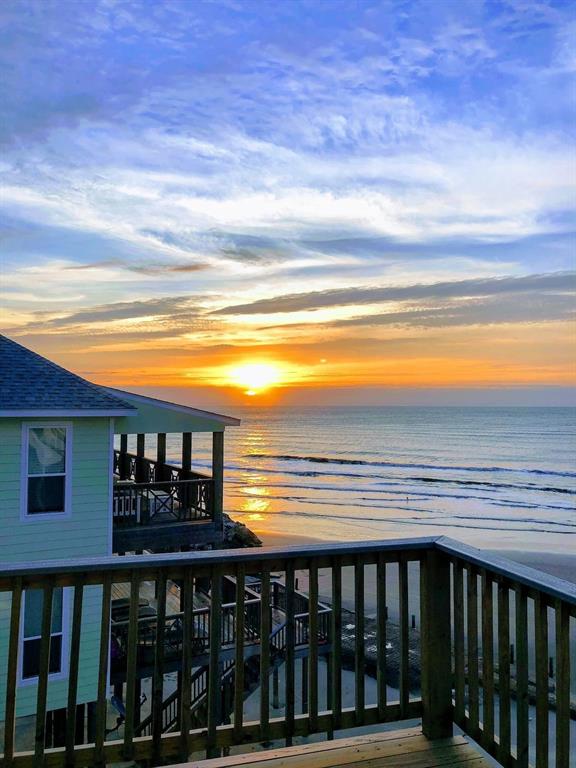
x: 32, y: 631
x: 47, y: 466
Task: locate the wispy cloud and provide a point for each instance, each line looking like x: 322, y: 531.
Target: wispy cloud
x: 164, y: 160
x: 538, y: 285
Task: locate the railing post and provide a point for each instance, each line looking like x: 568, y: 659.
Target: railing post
x: 218, y: 478
x: 436, y: 655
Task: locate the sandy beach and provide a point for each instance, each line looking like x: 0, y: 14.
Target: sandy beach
x: 558, y: 564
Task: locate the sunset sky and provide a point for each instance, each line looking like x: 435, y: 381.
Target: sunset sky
x: 369, y: 200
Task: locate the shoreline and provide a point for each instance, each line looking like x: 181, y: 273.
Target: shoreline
x: 558, y: 564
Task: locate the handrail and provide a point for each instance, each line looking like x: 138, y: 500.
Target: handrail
x: 160, y: 484
x: 201, y: 561
x: 509, y: 569
x: 551, y: 585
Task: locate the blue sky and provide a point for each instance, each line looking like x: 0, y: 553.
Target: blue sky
x: 164, y: 163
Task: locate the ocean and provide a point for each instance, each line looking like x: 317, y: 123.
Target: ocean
x: 491, y: 477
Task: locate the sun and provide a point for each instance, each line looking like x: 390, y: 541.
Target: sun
x: 255, y: 377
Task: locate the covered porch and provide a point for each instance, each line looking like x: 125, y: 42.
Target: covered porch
x: 161, y: 505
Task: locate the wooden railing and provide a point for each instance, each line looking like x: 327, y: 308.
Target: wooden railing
x: 513, y: 637
x: 140, y: 469
x: 461, y: 670
x: 162, y: 502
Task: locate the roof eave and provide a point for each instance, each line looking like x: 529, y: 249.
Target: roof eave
x: 230, y: 421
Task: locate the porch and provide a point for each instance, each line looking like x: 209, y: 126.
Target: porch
x: 160, y: 506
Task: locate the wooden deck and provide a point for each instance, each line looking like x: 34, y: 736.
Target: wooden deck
x: 391, y: 749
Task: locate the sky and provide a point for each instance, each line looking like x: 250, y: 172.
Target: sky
x: 371, y: 201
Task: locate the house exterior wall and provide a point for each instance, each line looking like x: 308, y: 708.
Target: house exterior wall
x: 86, y: 532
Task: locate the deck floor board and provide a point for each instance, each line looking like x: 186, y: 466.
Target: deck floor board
x: 391, y: 749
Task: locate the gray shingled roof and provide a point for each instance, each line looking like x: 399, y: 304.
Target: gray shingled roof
x: 29, y: 382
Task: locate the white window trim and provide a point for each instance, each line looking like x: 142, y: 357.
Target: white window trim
x: 65, y: 655
x: 43, y: 516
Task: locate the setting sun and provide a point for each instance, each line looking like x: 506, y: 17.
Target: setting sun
x: 255, y: 377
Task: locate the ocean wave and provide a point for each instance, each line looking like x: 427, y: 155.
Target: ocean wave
x: 440, y: 523
x: 404, y: 489
x: 356, y: 502
x: 403, y: 465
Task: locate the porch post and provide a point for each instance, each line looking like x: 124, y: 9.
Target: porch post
x: 436, y: 649
x: 186, y: 451
x: 123, y: 463
x: 161, y: 456
x: 140, y: 451
x: 218, y: 477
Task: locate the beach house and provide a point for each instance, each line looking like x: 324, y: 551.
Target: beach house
x: 66, y: 492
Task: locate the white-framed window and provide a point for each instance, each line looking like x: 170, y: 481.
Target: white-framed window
x: 31, y: 635
x: 46, y: 470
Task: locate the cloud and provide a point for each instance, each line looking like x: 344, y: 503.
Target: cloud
x: 145, y: 269
x: 169, y: 316
x: 462, y: 289
x: 489, y: 311
x: 278, y: 158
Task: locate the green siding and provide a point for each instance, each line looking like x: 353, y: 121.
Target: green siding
x: 58, y: 689
x: 86, y: 533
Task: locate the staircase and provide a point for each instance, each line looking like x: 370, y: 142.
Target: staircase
x: 277, y: 642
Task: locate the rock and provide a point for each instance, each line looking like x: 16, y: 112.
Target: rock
x: 238, y: 536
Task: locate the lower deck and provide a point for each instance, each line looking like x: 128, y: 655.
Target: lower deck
x: 390, y: 749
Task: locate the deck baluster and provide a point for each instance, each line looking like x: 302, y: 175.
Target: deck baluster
x: 381, y: 619
x: 336, y: 702
x: 458, y: 629
x: 541, y: 630
x: 360, y: 661
x: 158, y: 674
x: 504, y: 668
x: 289, y: 654
x: 522, y: 707
x: 473, y: 676
x: 562, y: 618
x: 131, y: 658
x: 100, y: 720
x: 239, y: 654
x: 404, y: 635
x: 73, y: 672
x: 43, y: 671
x: 186, y: 600
x: 313, y: 646
x: 11, y: 672
x: 215, y: 665
x: 487, y: 657
x: 265, y: 630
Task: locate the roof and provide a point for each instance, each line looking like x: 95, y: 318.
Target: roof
x: 31, y: 385
x: 187, y: 410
